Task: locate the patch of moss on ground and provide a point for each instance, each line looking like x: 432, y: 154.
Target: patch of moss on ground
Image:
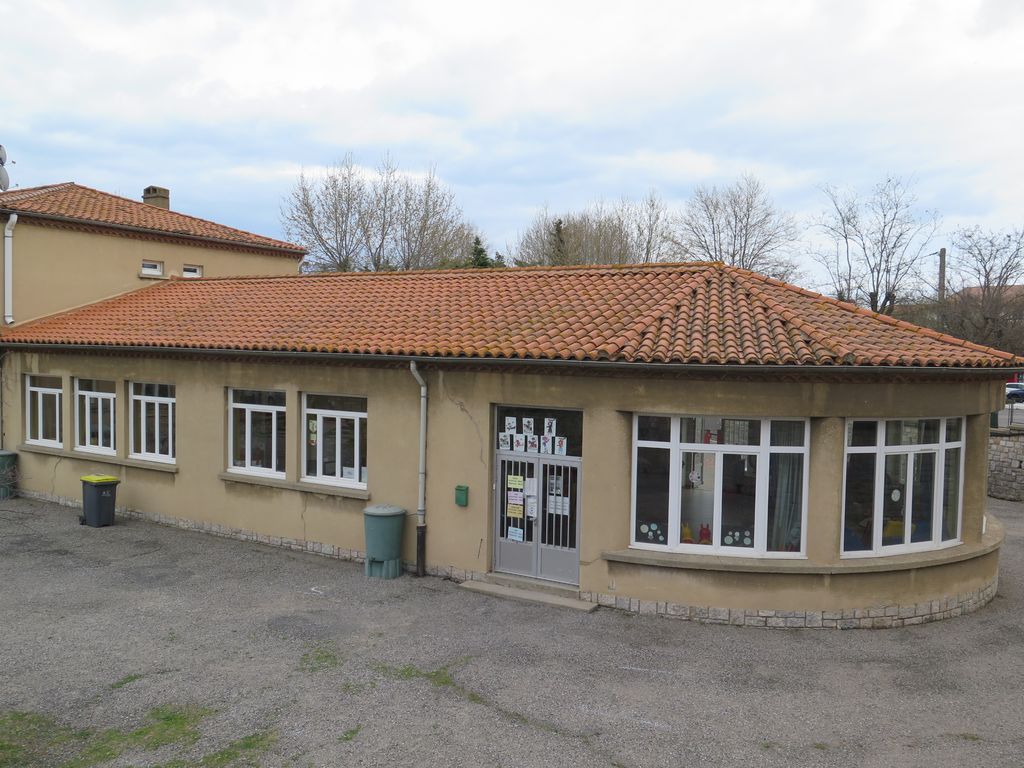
x: 241, y: 752
x: 350, y: 734
x: 124, y: 681
x: 319, y: 658
x: 28, y: 738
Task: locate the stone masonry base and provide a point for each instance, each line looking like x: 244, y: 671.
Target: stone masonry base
x: 873, y: 617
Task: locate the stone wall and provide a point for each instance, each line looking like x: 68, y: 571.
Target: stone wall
x: 1006, y: 464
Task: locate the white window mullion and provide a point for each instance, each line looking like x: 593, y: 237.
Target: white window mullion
x: 675, y: 500
x: 716, y: 528
x: 247, y: 436
x: 908, y: 498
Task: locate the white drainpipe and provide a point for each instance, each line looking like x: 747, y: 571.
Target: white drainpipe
x: 12, y: 219
x: 421, y: 500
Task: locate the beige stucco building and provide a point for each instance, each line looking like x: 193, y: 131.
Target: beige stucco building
x: 691, y: 440
x: 66, y: 245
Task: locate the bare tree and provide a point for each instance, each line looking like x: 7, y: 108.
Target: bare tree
x: 353, y: 219
x: 986, y: 304
x: 602, y: 233
x: 878, y: 243
x: 737, y: 225
x: 325, y: 215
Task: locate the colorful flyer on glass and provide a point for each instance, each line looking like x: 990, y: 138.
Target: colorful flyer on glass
x: 510, y: 423
x: 549, y: 426
x: 514, y: 510
x: 527, y: 426
x: 560, y: 446
x: 505, y: 441
x: 533, y: 443
x: 514, y: 481
x: 519, y: 443
x: 547, y: 442
x: 515, y: 534
x: 515, y: 497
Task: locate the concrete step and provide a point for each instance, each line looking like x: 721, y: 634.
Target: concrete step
x: 534, y: 585
x: 529, y: 596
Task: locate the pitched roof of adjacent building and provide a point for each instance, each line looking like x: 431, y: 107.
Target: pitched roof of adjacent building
x: 700, y: 313
x: 72, y: 202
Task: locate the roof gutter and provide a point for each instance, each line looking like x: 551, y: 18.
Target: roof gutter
x: 503, y: 362
x: 300, y: 253
x: 12, y: 220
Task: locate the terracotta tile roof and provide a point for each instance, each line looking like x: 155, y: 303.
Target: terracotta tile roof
x: 73, y: 202
x: 681, y: 313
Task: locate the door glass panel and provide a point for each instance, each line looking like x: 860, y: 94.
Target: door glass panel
x: 652, y: 491
x: 564, y: 430
x: 894, y: 500
x: 697, y: 499
x: 739, y: 481
x: 559, y: 506
x: 518, y: 481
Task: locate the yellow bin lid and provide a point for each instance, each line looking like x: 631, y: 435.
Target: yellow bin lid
x: 100, y: 479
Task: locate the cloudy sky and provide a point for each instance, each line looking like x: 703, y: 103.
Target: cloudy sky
x: 520, y: 104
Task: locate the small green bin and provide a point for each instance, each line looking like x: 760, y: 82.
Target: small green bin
x: 8, y: 474
x: 384, y: 525
x: 99, y: 493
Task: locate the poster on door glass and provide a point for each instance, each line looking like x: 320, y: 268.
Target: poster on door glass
x: 547, y: 442
x: 560, y: 446
x: 519, y: 443
x: 505, y: 441
x: 515, y: 534
x: 532, y: 443
x: 531, y: 507
x: 527, y: 426
x: 510, y: 423
x: 549, y: 426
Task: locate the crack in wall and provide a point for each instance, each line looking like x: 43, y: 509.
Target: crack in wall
x: 461, y: 405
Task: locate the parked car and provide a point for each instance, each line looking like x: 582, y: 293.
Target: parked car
x: 1015, y: 393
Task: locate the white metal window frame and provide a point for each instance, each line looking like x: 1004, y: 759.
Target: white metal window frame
x: 322, y: 414
x: 763, y: 451
x: 276, y: 411
x: 147, y: 401
x: 151, y: 267
x: 42, y: 392
x: 192, y: 270
x: 881, y: 451
x: 105, y: 401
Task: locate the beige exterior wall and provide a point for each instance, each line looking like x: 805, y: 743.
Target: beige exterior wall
x: 460, y: 452
x: 57, y: 269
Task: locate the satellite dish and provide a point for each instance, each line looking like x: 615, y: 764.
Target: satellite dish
x: 3, y: 155
x: 5, y: 180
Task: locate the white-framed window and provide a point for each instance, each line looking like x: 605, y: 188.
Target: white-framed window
x: 151, y: 416
x: 902, y: 485
x: 192, y: 270
x: 256, y: 437
x: 95, y: 416
x: 43, y: 410
x: 334, y: 443
x: 151, y: 268
x: 720, y: 485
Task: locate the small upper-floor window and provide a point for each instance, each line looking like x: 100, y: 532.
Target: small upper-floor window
x: 720, y: 485
x: 152, y: 415
x: 903, y: 486
x: 192, y: 270
x: 335, y: 440
x: 95, y: 417
x: 257, y: 431
x: 152, y: 268
x: 43, y: 410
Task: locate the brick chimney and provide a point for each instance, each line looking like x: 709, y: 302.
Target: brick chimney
x: 158, y: 196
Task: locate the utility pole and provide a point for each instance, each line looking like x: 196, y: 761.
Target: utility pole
x: 942, y: 275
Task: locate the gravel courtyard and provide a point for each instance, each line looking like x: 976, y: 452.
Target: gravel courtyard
x: 142, y: 645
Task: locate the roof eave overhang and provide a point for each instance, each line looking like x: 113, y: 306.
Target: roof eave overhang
x: 292, y: 252
x: 526, y: 362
